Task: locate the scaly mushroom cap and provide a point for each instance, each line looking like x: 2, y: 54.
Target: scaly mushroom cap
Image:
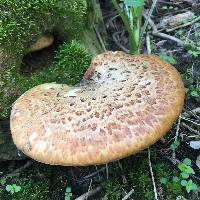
x: 124, y: 104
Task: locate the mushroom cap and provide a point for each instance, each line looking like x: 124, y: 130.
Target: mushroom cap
x: 43, y: 42
x: 123, y: 104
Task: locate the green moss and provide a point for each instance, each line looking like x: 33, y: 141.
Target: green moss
x: 30, y: 190
x: 22, y: 21
x: 71, y: 62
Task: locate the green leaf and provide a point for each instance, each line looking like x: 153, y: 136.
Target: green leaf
x: 173, y: 147
x: 194, y: 53
x: 194, y: 186
x: 187, y: 161
x: 17, y: 188
x: 197, y: 24
x: 194, y: 94
x: 189, y: 170
x: 185, y: 175
x: 176, y: 179
x: 134, y: 3
x: 183, y: 182
x: 8, y: 188
x: 189, y: 185
x: 182, y: 167
x: 163, y: 180
x: 68, y: 189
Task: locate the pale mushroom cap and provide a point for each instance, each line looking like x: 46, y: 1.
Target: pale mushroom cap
x: 124, y: 104
x: 43, y: 42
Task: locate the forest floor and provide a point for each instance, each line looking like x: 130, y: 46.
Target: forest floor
x: 170, y: 169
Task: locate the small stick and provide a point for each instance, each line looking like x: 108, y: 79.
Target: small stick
x: 148, y: 41
x: 89, y: 193
x: 128, y: 195
x: 94, y: 173
x: 163, y: 35
x: 152, y: 176
x: 190, y: 121
x: 189, y: 128
x: 183, y: 25
x: 147, y: 19
x: 178, y: 127
x: 176, y: 137
x: 193, y: 112
x: 107, y: 173
x: 89, y: 189
x: 100, y: 39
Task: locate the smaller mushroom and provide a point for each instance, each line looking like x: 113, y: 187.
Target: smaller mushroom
x: 43, y: 42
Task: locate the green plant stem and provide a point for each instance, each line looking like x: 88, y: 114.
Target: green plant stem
x: 147, y: 20
x: 124, y: 17
x: 137, y: 12
x: 133, y: 30
x: 126, y: 23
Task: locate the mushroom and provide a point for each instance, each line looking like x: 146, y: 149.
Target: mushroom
x: 43, y: 42
x: 123, y: 104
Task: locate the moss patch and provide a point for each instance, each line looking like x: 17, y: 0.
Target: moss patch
x: 71, y: 62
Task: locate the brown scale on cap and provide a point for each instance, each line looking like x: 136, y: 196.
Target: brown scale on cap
x: 124, y: 104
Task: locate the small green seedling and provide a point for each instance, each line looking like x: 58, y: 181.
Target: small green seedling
x: 189, y: 185
x: 13, y: 188
x: 131, y: 15
x: 194, y: 53
x: 68, y: 193
x: 186, y: 169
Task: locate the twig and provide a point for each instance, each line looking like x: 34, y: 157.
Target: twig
x: 178, y: 127
x: 100, y: 38
x: 189, y: 128
x: 89, y: 189
x: 124, y: 180
x: 163, y: 35
x: 148, y: 42
x: 89, y: 193
x: 94, y: 173
x: 107, y: 172
x: 176, y: 137
x: 147, y: 20
x: 184, y: 25
x: 193, y: 112
x: 128, y: 195
x: 152, y: 176
x: 190, y: 121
